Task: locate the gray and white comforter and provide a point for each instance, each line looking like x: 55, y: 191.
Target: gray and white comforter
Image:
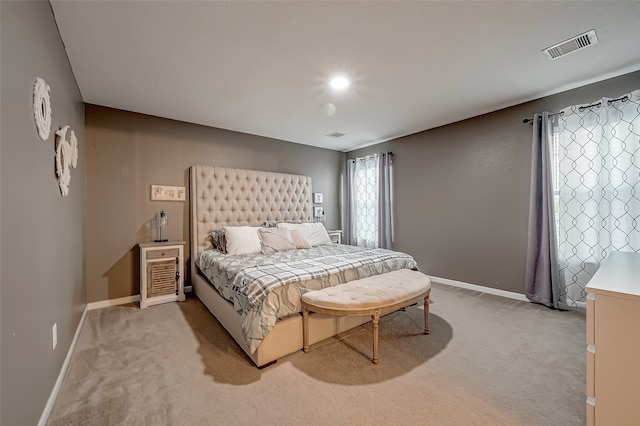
x: 265, y: 287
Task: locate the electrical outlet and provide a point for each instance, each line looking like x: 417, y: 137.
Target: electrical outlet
x: 54, y: 335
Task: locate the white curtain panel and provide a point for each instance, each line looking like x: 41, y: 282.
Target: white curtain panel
x: 597, y: 176
x: 364, y: 201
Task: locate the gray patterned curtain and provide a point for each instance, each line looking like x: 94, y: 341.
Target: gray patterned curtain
x: 598, y: 178
x: 369, y: 182
x: 541, y: 277
x: 385, y: 201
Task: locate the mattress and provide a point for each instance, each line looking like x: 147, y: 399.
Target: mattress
x: 266, y: 287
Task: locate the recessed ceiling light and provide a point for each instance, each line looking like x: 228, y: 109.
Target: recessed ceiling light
x: 339, y: 83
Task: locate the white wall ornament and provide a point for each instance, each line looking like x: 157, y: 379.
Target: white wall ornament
x: 167, y: 193
x: 42, y: 108
x: 66, y: 157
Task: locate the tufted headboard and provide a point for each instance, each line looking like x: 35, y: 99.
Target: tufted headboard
x: 224, y: 196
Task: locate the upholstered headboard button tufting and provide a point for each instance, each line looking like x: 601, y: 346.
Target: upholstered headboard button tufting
x: 227, y: 196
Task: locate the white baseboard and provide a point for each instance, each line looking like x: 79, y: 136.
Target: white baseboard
x: 112, y: 302
x: 488, y: 290
x: 122, y: 300
x: 63, y: 371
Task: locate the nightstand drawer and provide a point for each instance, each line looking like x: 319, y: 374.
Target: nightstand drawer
x: 163, y: 254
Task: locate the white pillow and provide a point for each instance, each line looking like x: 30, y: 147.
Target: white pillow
x: 313, y: 232
x: 275, y: 239
x: 298, y: 240
x: 242, y: 239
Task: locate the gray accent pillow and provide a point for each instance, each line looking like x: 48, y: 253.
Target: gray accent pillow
x: 219, y: 240
x: 275, y: 239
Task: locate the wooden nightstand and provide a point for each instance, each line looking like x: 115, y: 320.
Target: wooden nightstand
x: 161, y: 275
x: 335, y: 235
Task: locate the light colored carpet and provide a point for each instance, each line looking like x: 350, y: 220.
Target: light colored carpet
x: 488, y: 361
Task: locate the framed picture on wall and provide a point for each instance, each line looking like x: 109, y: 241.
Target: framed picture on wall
x: 317, y: 197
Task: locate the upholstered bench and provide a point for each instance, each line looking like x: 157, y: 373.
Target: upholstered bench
x: 373, y: 296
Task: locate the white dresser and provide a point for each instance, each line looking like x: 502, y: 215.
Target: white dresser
x: 613, y: 342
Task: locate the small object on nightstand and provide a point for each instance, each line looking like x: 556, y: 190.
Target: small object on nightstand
x: 335, y: 235
x: 162, y: 222
x: 161, y: 275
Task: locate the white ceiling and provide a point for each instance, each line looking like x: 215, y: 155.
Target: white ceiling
x: 263, y: 67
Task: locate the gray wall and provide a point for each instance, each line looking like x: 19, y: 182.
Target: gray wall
x: 462, y: 190
x: 129, y: 152
x: 42, y: 232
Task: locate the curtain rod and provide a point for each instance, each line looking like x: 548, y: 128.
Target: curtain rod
x: 530, y: 120
x: 625, y: 98
x: 388, y: 153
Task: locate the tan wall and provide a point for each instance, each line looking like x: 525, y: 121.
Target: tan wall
x: 128, y: 152
x: 462, y: 190
x: 42, y: 232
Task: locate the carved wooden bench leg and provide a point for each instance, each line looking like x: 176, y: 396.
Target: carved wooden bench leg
x: 375, y: 318
x: 305, y: 330
x: 415, y: 285
x: 426, y: 314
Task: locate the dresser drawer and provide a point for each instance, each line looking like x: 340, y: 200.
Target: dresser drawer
x: 591, y: 412
x: 591, y: 301
x: 591, y: 371
x: 163, y: 254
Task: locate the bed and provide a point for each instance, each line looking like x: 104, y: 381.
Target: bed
x: 256, y: 297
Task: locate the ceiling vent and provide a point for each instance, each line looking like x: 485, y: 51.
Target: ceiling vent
x: 336, y: 135
x: 573, y: 44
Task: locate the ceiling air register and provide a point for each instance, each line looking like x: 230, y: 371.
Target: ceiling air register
x: 572, y: 45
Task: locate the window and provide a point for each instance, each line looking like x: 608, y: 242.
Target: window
x: 365, y: 201
x: 370, y: 201
x: 596, y: 188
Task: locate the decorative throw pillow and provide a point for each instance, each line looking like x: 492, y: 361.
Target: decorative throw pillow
x: 298, y: 240
x: 242, y: 239
x: 218, y: 240
x: 275, y: 239
x: 313, y: 232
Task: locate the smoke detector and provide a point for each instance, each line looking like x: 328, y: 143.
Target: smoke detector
x: 336, y: 135
x: 573, y: 44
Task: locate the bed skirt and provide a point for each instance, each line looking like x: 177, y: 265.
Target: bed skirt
x: 285, y: 338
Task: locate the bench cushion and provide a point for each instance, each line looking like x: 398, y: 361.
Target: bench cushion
x: 377, y: 291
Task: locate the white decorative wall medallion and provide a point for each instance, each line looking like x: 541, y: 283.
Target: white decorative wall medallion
x: 42, y: 108
x: 167, y: 193
x: 66, y: 157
